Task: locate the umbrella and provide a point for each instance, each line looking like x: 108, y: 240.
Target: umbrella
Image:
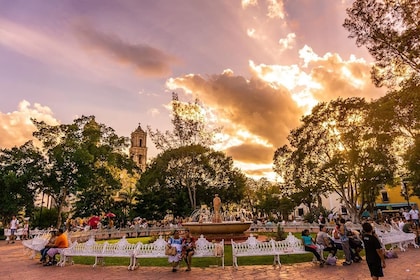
x: 93, y: 221
x: 110, y: 215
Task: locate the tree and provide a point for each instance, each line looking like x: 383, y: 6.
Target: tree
x: 20, y: 179
x: 390, y: 30
x: 80, y: 158
x: 335, y: 150
x: 190, y: 127
x: 187, y: 174
x: 397, y: 115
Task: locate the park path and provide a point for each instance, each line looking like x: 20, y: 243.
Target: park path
x: 15, y: 265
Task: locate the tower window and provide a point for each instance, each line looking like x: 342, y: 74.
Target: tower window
x: 141, y: 142
x: 140, y: 157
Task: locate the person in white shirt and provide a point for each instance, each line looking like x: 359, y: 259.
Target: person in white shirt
x: 414, y: 215
x: 14, y: 223
x: 401, y: 223
x: 406, y: 214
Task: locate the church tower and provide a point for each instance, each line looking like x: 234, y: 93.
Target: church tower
x: 138, y: 149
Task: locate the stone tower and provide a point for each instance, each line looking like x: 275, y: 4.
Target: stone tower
x: 138, y: 149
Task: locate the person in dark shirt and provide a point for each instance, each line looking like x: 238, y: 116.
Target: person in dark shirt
x: 375, y: 257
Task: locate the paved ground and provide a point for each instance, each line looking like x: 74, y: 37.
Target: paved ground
x: 14, y: 264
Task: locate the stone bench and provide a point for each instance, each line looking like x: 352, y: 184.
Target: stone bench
x: 253, y: 247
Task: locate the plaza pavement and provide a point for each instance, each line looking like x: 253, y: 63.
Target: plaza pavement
x: 15, y: 265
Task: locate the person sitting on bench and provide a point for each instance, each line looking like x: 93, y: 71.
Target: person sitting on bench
x: 60, y: 243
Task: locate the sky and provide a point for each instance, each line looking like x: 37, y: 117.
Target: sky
x: 258, y: 66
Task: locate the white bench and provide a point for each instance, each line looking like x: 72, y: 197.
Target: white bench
x: 206, y: 249
x: 8, y: 233
x: 203, y: 249
x: 254, y: 247
x: 87, y: 249
x: 36, y: 244
x: 99, y: 251
x: 396, y: 238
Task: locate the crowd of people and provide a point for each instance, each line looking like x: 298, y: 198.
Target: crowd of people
x: 352, y: 242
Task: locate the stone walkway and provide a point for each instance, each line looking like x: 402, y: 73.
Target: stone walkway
x: 15, y: 265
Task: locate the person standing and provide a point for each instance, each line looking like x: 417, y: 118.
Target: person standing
x: 14, y: 223
x: 345, y: 241
x: 414, y: 215
x: 375, y: 257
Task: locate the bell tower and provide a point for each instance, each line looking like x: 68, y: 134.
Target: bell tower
x: 138, y: 149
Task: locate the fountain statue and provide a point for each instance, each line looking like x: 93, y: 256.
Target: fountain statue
x: 216, y: 204
x: 204, y: 222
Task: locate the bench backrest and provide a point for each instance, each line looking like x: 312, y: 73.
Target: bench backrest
x: 154, y: 249
x: 204, y: 248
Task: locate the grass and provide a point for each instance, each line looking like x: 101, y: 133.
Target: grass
x: 199, y: 262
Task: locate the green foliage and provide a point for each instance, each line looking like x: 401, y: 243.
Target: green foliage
x: 313, y: 215
x: 281, y: 234
x: 20, y: 178
x: 390, y: 31
x: 396, y: 117
x: 182, y: 179
x: 335, y: 149
x: 83, y: 160
x: 45, y: 218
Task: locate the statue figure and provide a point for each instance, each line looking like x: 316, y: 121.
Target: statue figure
x: 216, y: 204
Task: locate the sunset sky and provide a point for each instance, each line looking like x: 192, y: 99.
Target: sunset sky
x: 258, y: 65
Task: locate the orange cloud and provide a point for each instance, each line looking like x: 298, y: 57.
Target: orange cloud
x: 250, y: 110
x: 16, y: 127
x: 257, y: 114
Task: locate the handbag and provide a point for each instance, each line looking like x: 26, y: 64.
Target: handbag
x: 170, y: 251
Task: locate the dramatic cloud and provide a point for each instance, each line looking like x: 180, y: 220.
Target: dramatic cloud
x: 250, y: 111
x: 321, y: 78
x: 147, y: 60
x: 16, y: 127
x: 257, y: 114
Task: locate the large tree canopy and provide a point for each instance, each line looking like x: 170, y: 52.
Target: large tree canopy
x: 390, y: 30
x: 21, y: 176
x: 335, y: 150
x: 82, y: 158
x: 187, y: 174
x: 398, y: 115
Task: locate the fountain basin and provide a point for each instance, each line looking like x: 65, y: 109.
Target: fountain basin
x: 233, y: 227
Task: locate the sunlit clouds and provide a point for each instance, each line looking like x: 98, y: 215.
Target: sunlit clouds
x: 257, y: 113
x: 16, y: 127
x: 288, y: 42
x: 257, y: 66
